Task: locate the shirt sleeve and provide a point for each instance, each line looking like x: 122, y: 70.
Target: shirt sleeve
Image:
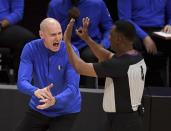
x: 125, y: 13
x: 106, y: 24
x: 51, y: 11
x: 110, y: 68
x: 71, y: 91
x: 25, y: 72
x: 168, y: 12
x: 16, y: 11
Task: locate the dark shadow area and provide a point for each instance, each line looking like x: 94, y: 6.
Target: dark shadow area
x: 156, y: 100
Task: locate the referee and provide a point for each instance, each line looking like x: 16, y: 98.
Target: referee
x: 124, y: 71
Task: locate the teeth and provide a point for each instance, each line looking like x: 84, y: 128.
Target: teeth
x: 55, y: 44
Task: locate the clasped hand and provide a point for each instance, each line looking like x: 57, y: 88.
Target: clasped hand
x: 45, y: 97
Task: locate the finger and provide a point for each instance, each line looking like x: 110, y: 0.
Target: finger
x: 72, y: 21
x: 85, y: 22
x: 164, y: 29
x: 77, y: 32
x: 40, y: 94
x: 79, y: 29
x: 71, y: 24
x: 46, y: 103
x: 167, y: 29
x: 48, y: 94
x: 49, y: 86
x: 44, y: 94
x: 41, y: 97
x: 43, y: 106
x: 43, y: 100
x: 68, y: 31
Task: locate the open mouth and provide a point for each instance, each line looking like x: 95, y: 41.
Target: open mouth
x: 56, y: 44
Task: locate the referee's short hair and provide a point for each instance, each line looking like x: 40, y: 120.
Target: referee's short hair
x: 126, y: 28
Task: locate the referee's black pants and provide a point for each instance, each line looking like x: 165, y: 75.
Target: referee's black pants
x: 124, y: 122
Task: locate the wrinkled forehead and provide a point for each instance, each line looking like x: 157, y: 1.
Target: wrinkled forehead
x: 53, y: 24
x: 53, y: 28
x: 49, y: 23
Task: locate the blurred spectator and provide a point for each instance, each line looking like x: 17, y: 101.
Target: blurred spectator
x: 12, y: 35
x: 148, y: 16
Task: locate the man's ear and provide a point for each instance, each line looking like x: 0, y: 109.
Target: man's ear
x: 41, y: 34
x: 119, y: 37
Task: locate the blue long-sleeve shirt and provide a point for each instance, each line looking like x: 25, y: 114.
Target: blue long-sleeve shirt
x: 145, y: 13
x: 11, y: 10
x: 96, y: 10
x: 45, y: 67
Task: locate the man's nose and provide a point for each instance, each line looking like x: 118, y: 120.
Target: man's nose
x: 58, y: 37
